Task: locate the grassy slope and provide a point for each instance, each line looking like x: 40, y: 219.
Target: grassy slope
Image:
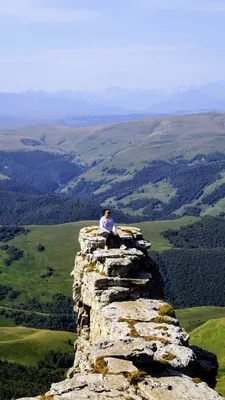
x: 137, y: 141
x: 129, y: 146
x: 60, y: 248
x: 211, y: 336
x: 27, y: 346
x: 191, y: 318
x: 61, y: 245
x: 152, y: 231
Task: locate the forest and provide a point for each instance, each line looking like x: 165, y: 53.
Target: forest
x: 50, y: 209
x: 194, y: 272
x: 55, y: 322
x: 18, y: 381
x: 43, y: 171
x: 32, y: 194
x: 208, y: 232
x: 189, y: 178
x: 193, y: 278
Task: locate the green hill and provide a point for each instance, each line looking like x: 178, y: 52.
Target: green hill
x: 129, y: 165
x: 155, y: 138
x: 211, y: 336
x: 60, y: 243
x: 28, y: 346
x: 191, y: 318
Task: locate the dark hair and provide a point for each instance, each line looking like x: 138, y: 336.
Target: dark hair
x: 104, y: 211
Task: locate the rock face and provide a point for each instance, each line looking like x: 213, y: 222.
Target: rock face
x: 130, y: 345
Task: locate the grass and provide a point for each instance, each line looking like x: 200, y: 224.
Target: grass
x: 135, y: 377
x: 100, y: 367
x: 133, y: 332
x: 168, y: 357
x: 167, y: 310
x: 191, y: 318
x: 27, y: 346
x: 161, y: 320
x: 196, y: 380
x: 161, y: 327
x: 131, y: 323
x: 61, y: 245
x: 137, y: 141
x: 6, y: 322
x: 156, y: 339
x: 215, y: 210
x: 152, y: 231
x: 211, y: 337
x: 162, y: 190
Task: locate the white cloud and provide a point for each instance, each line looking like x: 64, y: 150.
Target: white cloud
x: 38, y: 11
x: 214, y: 6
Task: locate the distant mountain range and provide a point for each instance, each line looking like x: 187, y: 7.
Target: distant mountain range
x: 35, y: 106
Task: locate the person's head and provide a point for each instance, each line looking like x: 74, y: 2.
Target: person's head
x: 106, y: 213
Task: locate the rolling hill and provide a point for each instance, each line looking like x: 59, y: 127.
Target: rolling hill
x: 157, y: 138
x: 192, y: 318
x: 27, y: 346
x: 179, y: 161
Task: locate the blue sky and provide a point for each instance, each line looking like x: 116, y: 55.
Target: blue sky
x: 94, y: 44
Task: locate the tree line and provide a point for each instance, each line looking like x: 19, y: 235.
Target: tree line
x: 18, y: 381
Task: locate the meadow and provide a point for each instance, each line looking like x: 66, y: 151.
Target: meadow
x: 211, y: 336
x: 27, y: 346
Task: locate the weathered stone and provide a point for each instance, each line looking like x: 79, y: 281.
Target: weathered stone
x: 175, y: 388
x: 170, y: 332
x: 180, y: 358
x: 138, y: 350
x: 141, y: 310
x: 118, y: 366
x: 94, y: 386
x: 118, y: 387
x: 90, y: 238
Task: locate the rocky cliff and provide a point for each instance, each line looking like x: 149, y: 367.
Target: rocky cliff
x: 130, y: 345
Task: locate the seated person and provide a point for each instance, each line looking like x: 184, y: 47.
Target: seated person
x: 108, y: 230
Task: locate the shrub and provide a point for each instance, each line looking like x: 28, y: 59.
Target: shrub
x: 40, y: 248
x: 167, y: 310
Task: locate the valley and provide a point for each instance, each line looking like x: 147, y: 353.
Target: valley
x: 164, y: 175
x: 154, y: 169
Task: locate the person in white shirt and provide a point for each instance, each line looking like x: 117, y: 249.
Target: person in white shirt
x: 108, y: 230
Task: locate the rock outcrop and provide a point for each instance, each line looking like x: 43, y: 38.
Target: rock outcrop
x: 130, y: 345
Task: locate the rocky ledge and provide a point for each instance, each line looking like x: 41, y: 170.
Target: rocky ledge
x: 130, y: 345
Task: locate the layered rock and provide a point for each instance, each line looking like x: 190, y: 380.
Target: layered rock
x: 130, y: 345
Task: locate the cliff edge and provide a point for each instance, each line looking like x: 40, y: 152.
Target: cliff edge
x: 130, y: 345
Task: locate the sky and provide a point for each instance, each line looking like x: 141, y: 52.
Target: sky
x: 88, y: 45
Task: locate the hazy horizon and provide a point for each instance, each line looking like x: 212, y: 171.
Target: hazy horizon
x: 65, y: 45
x: 172, y: 89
